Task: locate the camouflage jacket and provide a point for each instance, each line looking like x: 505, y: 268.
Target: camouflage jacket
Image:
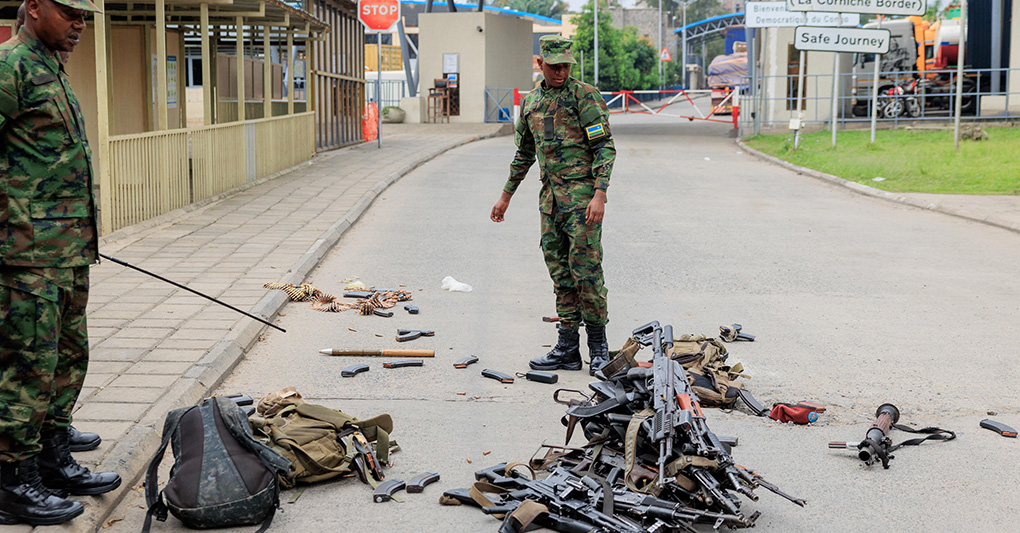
x: 567, y: 128
x: 47, y: 206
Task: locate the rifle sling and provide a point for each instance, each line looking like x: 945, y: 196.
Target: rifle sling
x: 630, y: 452
x: 933, y: 433
x: 674, y: 467
x: 526, y: 513
x: 608, y: 502
x: 478, y: 490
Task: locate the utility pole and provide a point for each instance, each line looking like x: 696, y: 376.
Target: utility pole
x: 660, y: 44
x: 958, y: 107
x: 595, y: 3
x: 683, y: 43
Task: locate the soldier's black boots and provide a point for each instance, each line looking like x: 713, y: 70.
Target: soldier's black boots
x: 61, y: 472
x: 24, y: 499
x: 82, y: 441
x: 566, y: 355
x: 598, y: 348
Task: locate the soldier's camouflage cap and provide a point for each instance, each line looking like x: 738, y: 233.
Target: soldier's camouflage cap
x: 84, y: 5
x: 556, y: 49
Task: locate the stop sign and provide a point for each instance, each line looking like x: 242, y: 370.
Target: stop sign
x: 378, y: 15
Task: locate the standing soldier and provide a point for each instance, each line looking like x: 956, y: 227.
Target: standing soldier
x: 565, y: 122
x: 48, y: 239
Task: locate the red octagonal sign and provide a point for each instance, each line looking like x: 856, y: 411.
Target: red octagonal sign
x: 378, y: 15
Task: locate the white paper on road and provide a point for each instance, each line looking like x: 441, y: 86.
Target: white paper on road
x: 453, y: 285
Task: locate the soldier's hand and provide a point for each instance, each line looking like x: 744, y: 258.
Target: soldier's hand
x: 499, y: 209
x: 596, y: 208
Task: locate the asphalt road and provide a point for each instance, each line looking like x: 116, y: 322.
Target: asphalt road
x: 855, y: 302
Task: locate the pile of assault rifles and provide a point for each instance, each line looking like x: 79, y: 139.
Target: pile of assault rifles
x: 651, y: 463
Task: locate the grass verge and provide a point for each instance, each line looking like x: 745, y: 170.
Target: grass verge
x: 908, y: 160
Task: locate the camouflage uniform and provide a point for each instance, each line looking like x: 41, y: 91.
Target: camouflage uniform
x: 567, y: 128
x: 48, y: 239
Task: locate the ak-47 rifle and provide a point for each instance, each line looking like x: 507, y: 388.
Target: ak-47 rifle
x: 562, y: 493
x: 677, y: 407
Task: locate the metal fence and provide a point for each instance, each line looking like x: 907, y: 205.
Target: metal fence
x: 499, y: 105
x: 391, y: 92
x: 903, y: 96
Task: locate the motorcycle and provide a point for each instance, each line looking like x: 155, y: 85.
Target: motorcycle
x: 901, y: 100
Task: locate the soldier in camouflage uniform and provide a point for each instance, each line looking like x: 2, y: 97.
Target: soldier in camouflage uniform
x: 48, y: 239
x: 565, y: 123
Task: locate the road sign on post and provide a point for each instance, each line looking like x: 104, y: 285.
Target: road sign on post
x: 664, y: 55
x: 776, y: 15
x: 867, y: 41
x: 378, y: 15
x: 880, y: 7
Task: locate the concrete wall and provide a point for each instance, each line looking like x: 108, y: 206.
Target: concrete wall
x: 498, y: 56
x: 644, y: 19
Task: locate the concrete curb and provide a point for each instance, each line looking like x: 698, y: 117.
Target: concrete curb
x: 990, y: 220
x: 131, y: 455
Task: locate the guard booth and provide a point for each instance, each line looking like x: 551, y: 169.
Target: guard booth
x: 255, y: 71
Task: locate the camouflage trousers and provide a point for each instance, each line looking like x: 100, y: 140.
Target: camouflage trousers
x: 44, y: 353
x: 573, y: 255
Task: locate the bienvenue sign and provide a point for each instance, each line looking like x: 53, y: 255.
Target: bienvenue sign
x: 880, y: 7
x: 864, y: 40
x: 775, y: 15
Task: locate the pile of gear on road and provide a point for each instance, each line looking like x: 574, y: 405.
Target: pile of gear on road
x: 651, y: 464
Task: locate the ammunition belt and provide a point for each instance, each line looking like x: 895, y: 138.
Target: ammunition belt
x: 328, y: 303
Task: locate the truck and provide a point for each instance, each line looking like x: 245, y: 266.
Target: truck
x: 917, y: 74
x: 728, y: 73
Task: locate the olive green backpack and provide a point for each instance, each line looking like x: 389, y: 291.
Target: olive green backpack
x: 711, y: 378
x: 323, y: 443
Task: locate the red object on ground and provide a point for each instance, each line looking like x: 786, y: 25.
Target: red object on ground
x: 370, y: 122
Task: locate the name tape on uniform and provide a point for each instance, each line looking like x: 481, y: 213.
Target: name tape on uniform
x: 775, y: 15
x: 880, y: 7
x: 868, y: 41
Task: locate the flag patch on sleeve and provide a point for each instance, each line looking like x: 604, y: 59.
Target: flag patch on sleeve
x: 595, y: 132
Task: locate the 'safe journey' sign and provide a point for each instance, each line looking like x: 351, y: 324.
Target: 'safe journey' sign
x: 868, y: 41
x: 881, y: 7
x: 775, y: 15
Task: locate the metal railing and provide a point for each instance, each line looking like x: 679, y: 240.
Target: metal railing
x: 925, y: 96
x: 391, y: 92
x: 154, y: 173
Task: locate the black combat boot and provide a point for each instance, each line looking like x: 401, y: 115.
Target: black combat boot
x: 598, y: 348
x: 82, y: 441
x: 565, y: 355
x: 61, y: 472
x: 24, y: 499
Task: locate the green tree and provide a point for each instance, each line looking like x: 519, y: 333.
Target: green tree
x: 546, y: 8
x: 626, y: 62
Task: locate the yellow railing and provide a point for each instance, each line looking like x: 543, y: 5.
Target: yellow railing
x: 283, y: 142
x: 218, y: 156
x: 149, y: 175
x: 157, y: 172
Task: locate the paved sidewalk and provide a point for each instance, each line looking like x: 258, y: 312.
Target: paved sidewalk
x: 156, y: 347
x: 1001, y: 211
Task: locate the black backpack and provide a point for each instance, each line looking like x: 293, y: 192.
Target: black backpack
x: 221, y: 475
